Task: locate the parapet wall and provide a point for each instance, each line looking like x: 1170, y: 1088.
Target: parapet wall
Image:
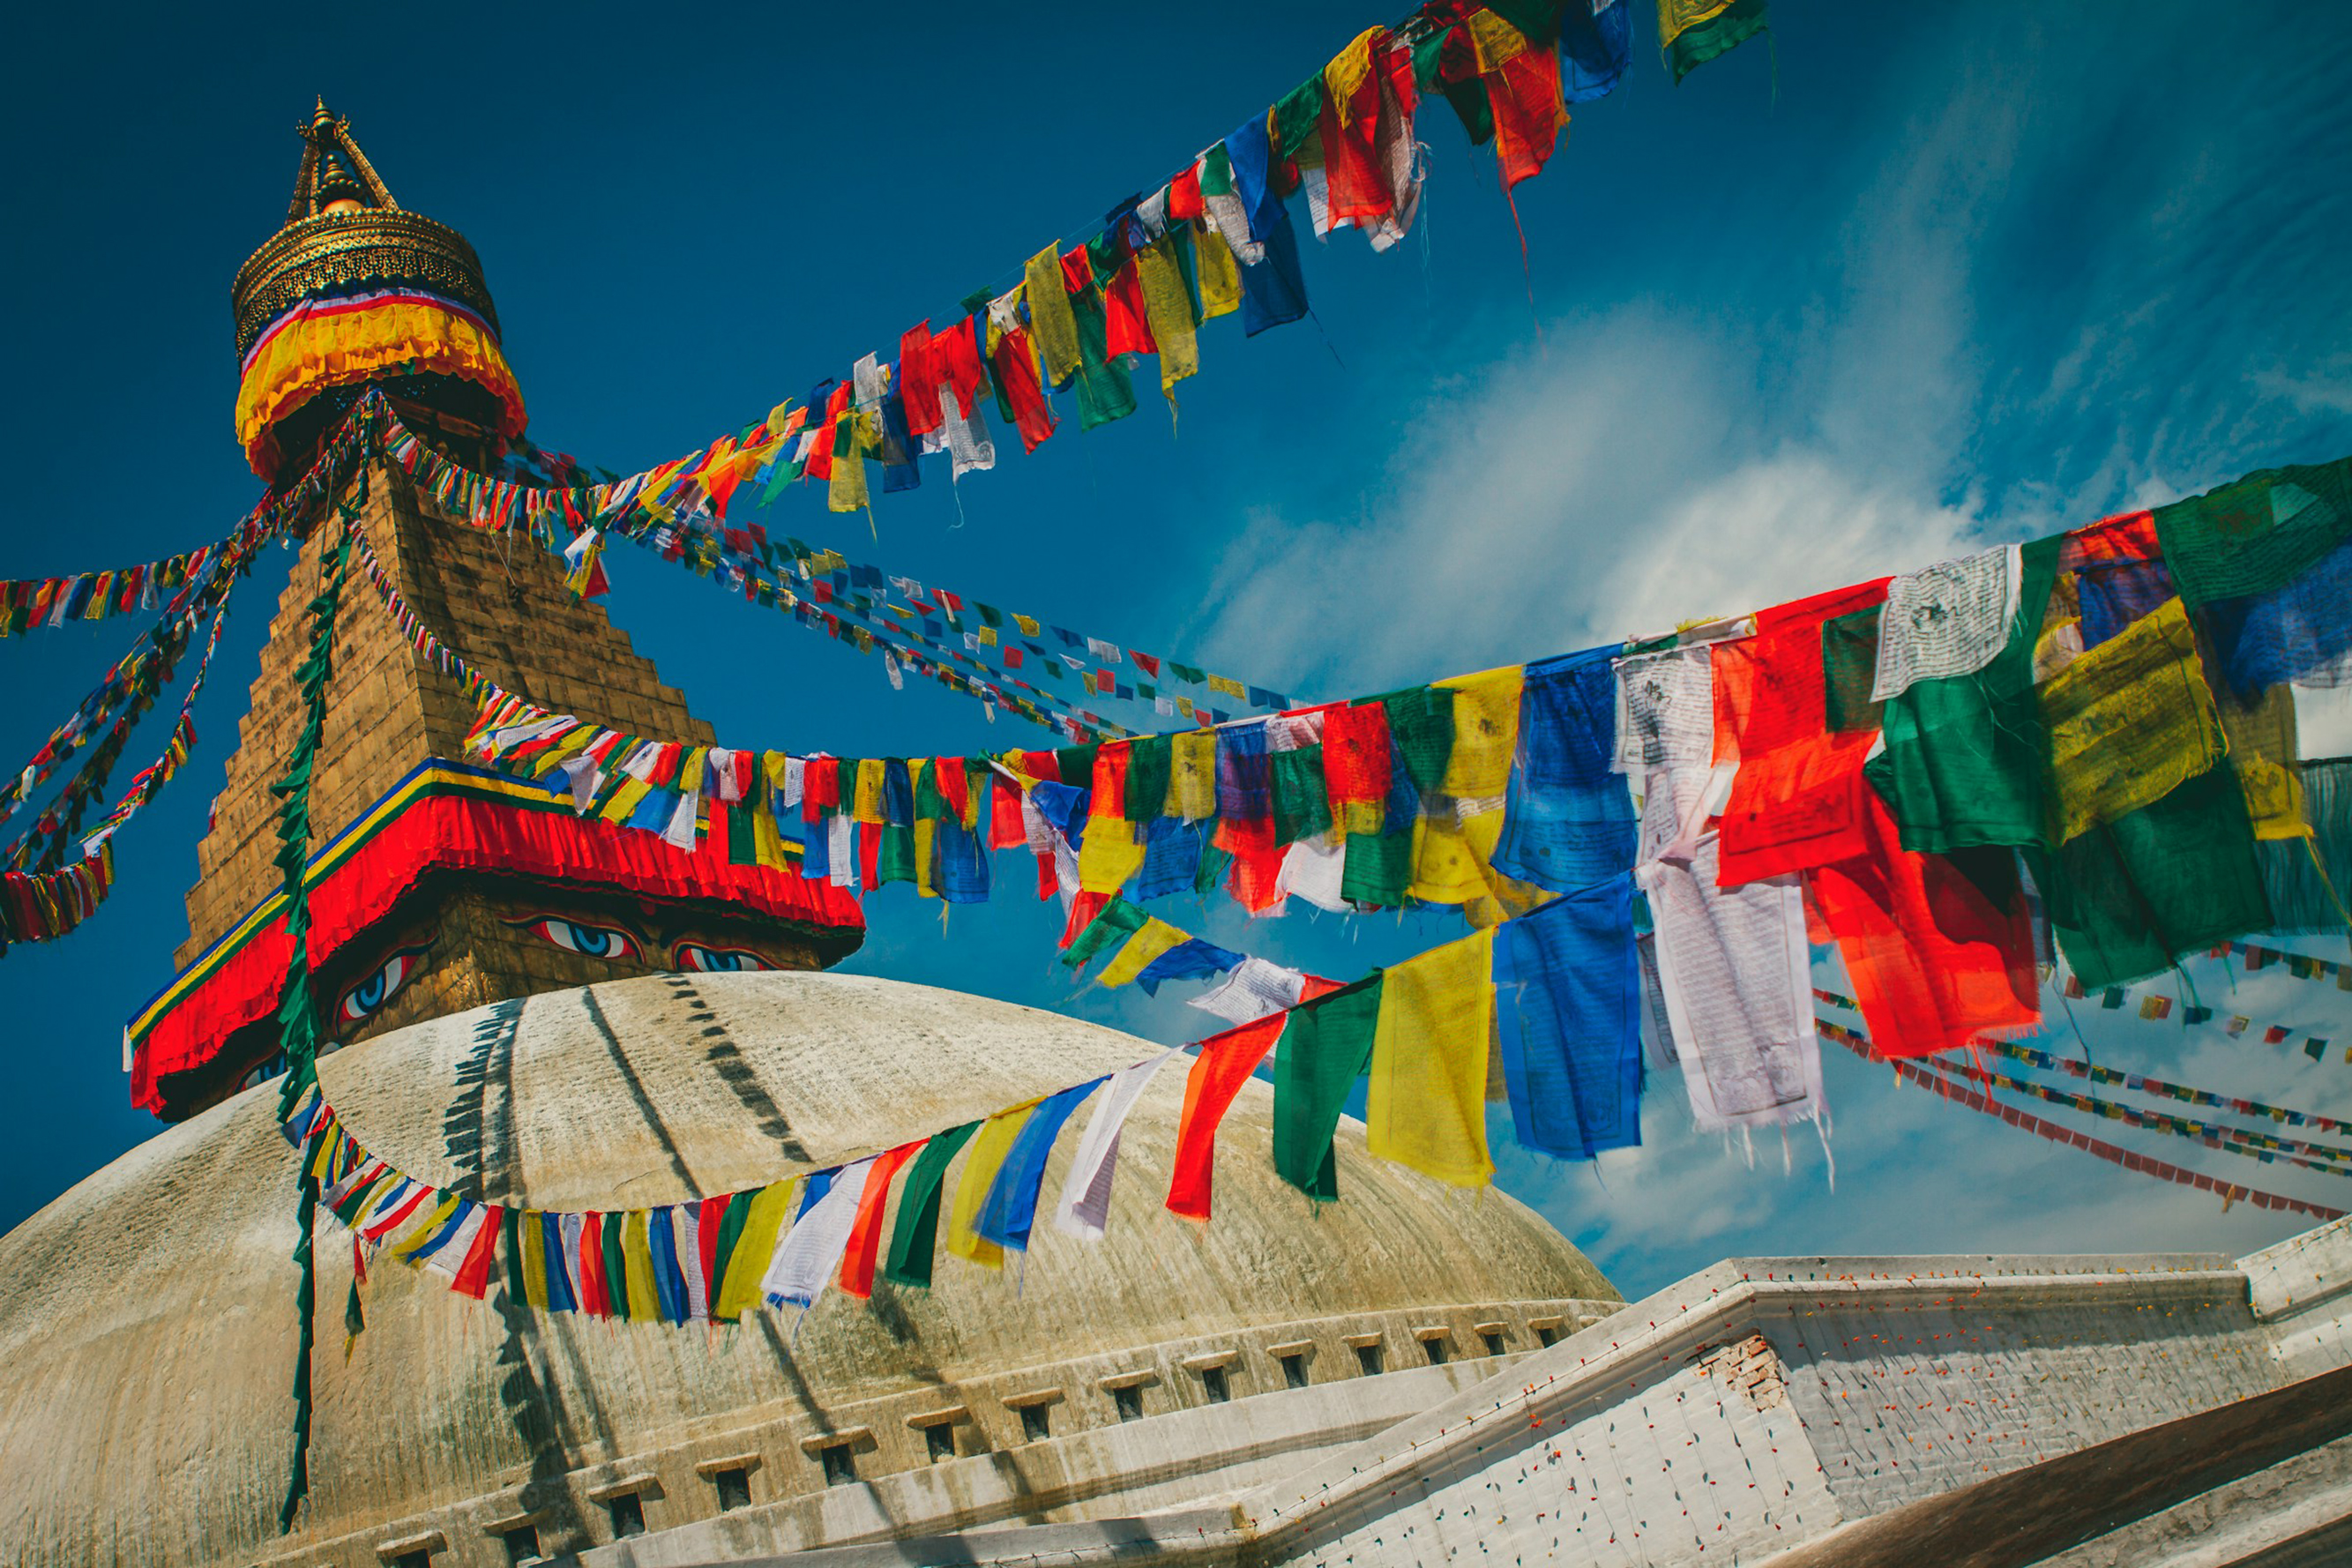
x: 1753, y: 1408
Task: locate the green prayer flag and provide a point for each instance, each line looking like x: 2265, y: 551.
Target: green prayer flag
x: 616, y: 1267
x: 1075, y: 765
x: 1377, y: 870
x: 1149, y: 761
x: 1849, y: 666
x: 1217, y: 172
x: 1964, y: 756
x: 2174, y: 878
x: 1421, y: 728
x: 510, y: 1242
x: 1112, y: 925
x: 2256, y: 534
x: 730, y: 1232
x: 1302, y: 806
x: 1718, y: 35
x: 895, y: 862
x: 1323, y: 1049
x: 915, y: 1238
x: 1106, y: 392
x: 1292, y: 120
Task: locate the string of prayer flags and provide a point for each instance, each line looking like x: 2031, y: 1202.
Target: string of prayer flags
x: 1920, y: 1071
x: 43, y: 905
x: 29, y: 603
x: 2254, y: 1145
x: 2142, y: 1083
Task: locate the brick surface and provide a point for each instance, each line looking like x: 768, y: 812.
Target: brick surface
x: 501, y: 603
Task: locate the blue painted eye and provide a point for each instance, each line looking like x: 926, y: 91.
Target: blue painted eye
x: 589, y: 940
x: 365, y: 999
x: 718, y: 960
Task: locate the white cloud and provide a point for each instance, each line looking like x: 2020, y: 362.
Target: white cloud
x: 1552, y: 503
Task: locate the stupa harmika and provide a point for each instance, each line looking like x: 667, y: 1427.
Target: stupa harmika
x: 1415, y: 1376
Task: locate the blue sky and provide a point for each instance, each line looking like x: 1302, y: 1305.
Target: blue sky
x: 1909, y: 281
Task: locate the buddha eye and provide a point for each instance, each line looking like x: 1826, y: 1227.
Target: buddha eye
x: 367, y: 998
x: 588, y: 940
x: 718, y: 960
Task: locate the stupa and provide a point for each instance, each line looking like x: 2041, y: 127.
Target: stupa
x: 562, y: 1014
x: 531, y: 1011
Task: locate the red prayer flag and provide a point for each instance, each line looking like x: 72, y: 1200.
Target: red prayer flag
x: 2128, y: 536
x: 865, y: 1231
x: 1529, y: 112
x: 473, y: 1274
x: 706, y: 1241
x: 1016, y: 374
x: 1940, y: 950
x: 1224, y: 1064
x: 958, y: 355
x: 1184, y: 201
x: 592, y: 1265
x: 1796, y: 800
x: 1356, y: 754
x: 1127, y: 330
x: 918, y: 380
x: 1110, y: 784
x: 954, y: 783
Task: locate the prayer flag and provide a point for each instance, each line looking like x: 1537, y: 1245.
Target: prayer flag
x: 812, y: 1250
x: 914, y: 1238
x: 1425, y: 1107
x: 1010, y: 1211
x: 1085, y: 1207
x: 1568, y: 1009
x: 979, y: 1171
x: 865, y: 1241
x: 1225, y: 1062
x: 1326, y: 1045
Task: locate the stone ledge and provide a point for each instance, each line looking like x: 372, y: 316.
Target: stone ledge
x: 428, y: 1542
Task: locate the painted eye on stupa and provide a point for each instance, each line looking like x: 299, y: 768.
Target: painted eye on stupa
x: 367, y: 998
x: 703, y: 960
x: 588, y: 940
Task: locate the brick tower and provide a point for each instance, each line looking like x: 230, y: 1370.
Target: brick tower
x: 487, y: 896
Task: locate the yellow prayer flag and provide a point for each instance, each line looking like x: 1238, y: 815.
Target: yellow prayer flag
x: 1136, y: 954
x: 926, y: 841
x: 1425, y: 1105
x: 2264, y: 750
x: 1485, y: 730
x: 1216, y: 271
x: 1495, y: 40
x: 981, y: 1164
x: 1053, y: 325
x: 1192, y: 774
x: 867, y: 807
x: 1028, y: 624
x: 534, y: 1258
x: 1352, y: 65
x: 637, y: 1250
x: 1111, y: 853
x: 1168, y: 309
x: 1676, y: 18
x: 2128, y: 722
x: 1225, y: 685
x: 740, y: 1290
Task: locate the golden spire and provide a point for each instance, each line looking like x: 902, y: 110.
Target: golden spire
x: 335, y: 176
